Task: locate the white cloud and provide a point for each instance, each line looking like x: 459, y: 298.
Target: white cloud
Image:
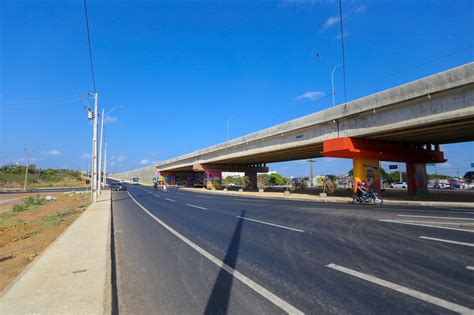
x: 155, y: 153
x: 86, y: 156
x: 346, y: 34
x: 52, y: 152
x: 110, y: 119
x: 119, y: 158
x: 311, y: 95
x: 145, y: 162
x: 333, y: 20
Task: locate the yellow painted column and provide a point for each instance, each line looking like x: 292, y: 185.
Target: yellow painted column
x: 367, y: 170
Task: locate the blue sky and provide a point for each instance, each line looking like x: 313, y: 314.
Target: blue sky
x: 179, y: 69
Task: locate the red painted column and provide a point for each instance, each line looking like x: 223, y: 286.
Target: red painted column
x: 417, y: 178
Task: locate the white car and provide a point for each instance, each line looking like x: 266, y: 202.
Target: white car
x: 402, y: 185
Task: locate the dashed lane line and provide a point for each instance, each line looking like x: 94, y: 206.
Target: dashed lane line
x: 436, y: 222
x: 432, y: 217
x: 446, y: 241
x: 470, y: 267
x: 285, y: 306
x: 170, y: 200
x: 188, y: 204
x: 272, y: 224
x: 413, y: 293
x: 427, y: 225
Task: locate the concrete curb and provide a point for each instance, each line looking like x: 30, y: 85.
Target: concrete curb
x: 346, y: 200
x: 72, y: 274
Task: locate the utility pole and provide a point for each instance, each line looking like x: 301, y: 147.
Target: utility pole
x: 100, y: 153
x: 93, y: 116
x: 311, y: 176
x: 27, y: 165
x: 228, y: 127
x: 105, y: 166
x: 400, y: 172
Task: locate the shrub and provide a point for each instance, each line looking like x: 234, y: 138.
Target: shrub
x: 19, y: 208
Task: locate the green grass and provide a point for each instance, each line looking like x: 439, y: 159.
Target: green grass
x: 19, y: 208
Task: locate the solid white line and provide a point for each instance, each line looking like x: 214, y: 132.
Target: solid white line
x: 196, y: 206
x: 290, y: 309
x: 435, y: 222
x: 446, y: 241
x: 426, y: 225
x: 413, y: 293
x: 170, y: 199
x: 272, y: 224
x: 470, y: 267
x: 431, y: 217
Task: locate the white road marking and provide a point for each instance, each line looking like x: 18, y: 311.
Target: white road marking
x: 272, y: 224
x: 290, y: 309
x: 446, y: 241
x: 436, y: 222
x: 196, y: 206
x: 427, y: 225
x: 170, y: 199
x: 413, y: 293
x: 431, y: 217
x: 470, y: 267
x: 158, y: 196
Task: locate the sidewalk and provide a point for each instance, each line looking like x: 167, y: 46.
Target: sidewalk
x: 336, y: 199
x: 72, y: 274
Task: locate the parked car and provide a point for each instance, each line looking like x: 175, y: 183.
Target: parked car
x: 117, y: 187
x: 402, y: 185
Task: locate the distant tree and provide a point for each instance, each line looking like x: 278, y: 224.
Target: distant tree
x: 261, y: 182
x: 469, y: 176
x: 266, y: 179
x: 276, y: 179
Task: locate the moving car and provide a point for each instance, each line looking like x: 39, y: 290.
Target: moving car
x: 117, y: 187
x: 398, y: 185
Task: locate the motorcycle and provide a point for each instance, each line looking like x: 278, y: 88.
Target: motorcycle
x: 373, y: 197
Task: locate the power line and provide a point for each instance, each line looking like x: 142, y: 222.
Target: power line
x: 90, y: 47
x: 343, y: 52
x: 42, y: 102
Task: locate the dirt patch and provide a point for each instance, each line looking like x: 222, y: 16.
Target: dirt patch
x: 25, y: 234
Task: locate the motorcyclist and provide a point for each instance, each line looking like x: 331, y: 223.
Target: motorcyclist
x: 363, y: 190
x: 163, y: 188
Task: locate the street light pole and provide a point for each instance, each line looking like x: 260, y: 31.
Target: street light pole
x: 100, y: 152
x: 311, y: 176
x: 105, y: 166
x: 27, y: 165
x: 228, y: 127
x: 331, y: 73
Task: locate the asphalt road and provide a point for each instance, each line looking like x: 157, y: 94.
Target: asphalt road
x: 186, y: 252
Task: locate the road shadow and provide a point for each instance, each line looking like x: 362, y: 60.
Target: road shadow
x: 218, y: 302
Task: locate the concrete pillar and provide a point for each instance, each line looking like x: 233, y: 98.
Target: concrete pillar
x: 213, y: 179
x: 252, y: 175
x: 417, y: 178
x: 367, y: 170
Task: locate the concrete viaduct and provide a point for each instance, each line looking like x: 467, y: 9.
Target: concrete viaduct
x: 404, y: 124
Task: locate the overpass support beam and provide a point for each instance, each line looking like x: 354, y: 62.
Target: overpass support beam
x: 252, y: 176
x: 417, y: 178
x: 366, y: 155
x: 367, y: 170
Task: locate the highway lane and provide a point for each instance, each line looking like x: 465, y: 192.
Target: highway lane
x: 168, y: 276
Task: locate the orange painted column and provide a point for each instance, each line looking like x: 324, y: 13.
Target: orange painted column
x: 367, y: 170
